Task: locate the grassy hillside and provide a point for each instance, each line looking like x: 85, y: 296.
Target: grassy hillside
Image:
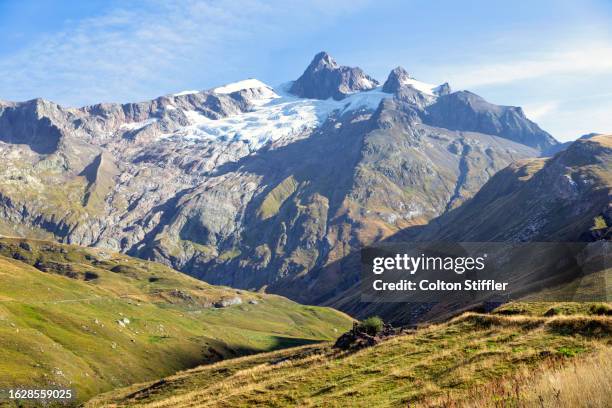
x: 463, y: 361
x: 95, y: 320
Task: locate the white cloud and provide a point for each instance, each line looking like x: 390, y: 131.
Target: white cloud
x: 570, y: 118
x: 537, y: 111
x: 577, y: 60
x: 139, y: 52
x: 569, y: 122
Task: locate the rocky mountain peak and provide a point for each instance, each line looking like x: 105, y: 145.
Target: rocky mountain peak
x: 443, y: 89
x: 324, y: 78
x: 466, y: 111
x: 399, y: 82
x: 397, y: 77
x: 323, y: 60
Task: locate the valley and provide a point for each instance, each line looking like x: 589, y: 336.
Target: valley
x: 254, y: 186
x: 472, y: 360
x: 202, y: 248
x: 93, y: 320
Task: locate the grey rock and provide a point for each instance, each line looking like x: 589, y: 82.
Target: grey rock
x: 443, y: 89
x: 284, y: 216
x: 225, y: 302
x: 395, y: 80
x: 324, y: 79
x: 466, y: 111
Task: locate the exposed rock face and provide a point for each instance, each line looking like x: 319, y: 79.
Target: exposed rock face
x: 324, y: 79
x: 399, y: 81
x: 466, y: 111
x: 176, y: 180
x: 558, y: 199
x: 443, y: 89
x: 396, y: 79
x: 230, y: 301
x: 566, y: 198
x: 31, y: 123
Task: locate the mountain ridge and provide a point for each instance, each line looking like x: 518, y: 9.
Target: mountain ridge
x: 252, y: 186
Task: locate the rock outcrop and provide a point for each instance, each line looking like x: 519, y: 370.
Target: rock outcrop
x: 396, y: 79
x: 324, y: 79
x: 466, y: 111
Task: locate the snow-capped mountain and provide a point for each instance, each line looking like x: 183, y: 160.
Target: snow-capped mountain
x: 275, y: 115
x: 399, y: 78
x: 255, y: 185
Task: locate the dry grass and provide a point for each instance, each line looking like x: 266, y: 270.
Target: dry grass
x: 470, y: 360
x: 580, y: 383
x: 604, y: 140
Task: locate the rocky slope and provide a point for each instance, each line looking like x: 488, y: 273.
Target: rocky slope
x: 469, y: 112
x: 252, y: 186
x: 324, y: 79
x: 566, y: 198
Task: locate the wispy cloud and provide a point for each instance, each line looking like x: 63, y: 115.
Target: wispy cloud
x: 566, y: 91
x: 570, y: 118
x: 162, y: 45
x: 537, y: 111
x: 577, y: 60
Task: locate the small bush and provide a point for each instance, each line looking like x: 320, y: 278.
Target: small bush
x: 553, y: 311
x: 599, y: 223
x: 585, y: 326
x: 372, y: 325
x: 511, y: 312
x: 601, y: 309
x: 91, y: 276
x: 571, y: 351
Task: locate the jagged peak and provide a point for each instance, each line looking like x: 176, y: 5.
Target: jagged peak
x: 396, y: 79
x: 324, y: 78
x: 399, y: 77
x: 443, y: 89
x: 321, y: 60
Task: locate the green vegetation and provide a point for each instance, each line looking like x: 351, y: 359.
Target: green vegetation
x: 601, y: 309
x: 229, y: 254
x: 371, y: 325
x: 552, y: 309
x: 599, y: 223
x: 97, y: 320
x: 477, y: 360
x: 276, y: 197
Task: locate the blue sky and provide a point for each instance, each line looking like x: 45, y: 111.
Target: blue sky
x: 554, y: 58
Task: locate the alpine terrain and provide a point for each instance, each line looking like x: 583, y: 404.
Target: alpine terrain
x: 252, y: 186
x: 92, y: 320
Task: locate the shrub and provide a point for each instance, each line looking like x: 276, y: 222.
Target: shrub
x: 91, y: 275
x: 553, y: 311
x: 601, y: 309
x: 372, y: 325
x: 599, y: 223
